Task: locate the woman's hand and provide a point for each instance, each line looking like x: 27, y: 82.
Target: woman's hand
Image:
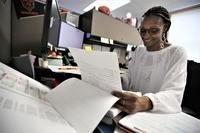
x: 131, y: 103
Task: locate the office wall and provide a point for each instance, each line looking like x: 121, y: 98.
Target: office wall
x: 185, y: 31
x: 5, y: 31
x: 26, y: 34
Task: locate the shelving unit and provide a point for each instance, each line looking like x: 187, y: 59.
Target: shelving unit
x: 102, y: 25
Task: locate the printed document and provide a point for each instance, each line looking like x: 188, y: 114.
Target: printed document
x: 85, y: 102
x: 100, y: 69
x: 161, y: 123
x: 24, y: 107
x: 23, y: 114
x: 73, y: 106
x: 81, y: 104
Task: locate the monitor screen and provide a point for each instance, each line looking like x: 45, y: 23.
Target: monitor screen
x: 70, y: 36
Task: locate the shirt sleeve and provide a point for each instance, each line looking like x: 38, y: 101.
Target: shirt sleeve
x: 169, y: 98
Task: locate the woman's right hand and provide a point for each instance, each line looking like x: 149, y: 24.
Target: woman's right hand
x: 131, y: 103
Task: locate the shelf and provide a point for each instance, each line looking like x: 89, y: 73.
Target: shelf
x: 97, y: 41
x: 103, y: 25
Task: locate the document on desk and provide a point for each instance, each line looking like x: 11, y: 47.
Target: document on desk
x: 100, y: 69
x: 148, y: 122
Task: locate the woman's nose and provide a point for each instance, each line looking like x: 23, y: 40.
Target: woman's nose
x: 146, y: 35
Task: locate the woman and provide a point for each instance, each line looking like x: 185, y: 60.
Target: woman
x: 157, y: 70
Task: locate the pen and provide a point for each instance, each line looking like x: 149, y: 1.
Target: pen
x: 138, y: 130
x: 68, y: 68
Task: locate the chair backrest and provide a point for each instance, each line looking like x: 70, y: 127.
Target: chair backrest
x: 191, y: 98
x: 24, y: 65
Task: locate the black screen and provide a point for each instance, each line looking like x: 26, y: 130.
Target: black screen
x: 51, y: 27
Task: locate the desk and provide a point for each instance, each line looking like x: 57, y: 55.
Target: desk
x: 50, y: 78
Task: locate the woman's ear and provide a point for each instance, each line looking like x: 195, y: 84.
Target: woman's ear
x: 165, y: 27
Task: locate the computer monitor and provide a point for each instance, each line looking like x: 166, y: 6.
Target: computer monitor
x: 70, y: 36
x: 34, y: 32
x: 51, y: 26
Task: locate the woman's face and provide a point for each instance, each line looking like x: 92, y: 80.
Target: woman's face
x: 151, y: 31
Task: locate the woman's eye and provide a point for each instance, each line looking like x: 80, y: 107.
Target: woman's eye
x: 142, y: 31
x: 154, y: 30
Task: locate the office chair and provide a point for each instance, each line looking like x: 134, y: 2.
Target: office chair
x: 190, y: 103
x: 24, y: 64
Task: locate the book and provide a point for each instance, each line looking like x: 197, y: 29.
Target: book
x: 149, y: 122
x: 73, y: 106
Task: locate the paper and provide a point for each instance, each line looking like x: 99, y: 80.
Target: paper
x: 88, y: 47
x: 81, y: 104
x: 96, y: 47
x: 18, y: 82
x: 105, y: 48
x: 113, y: 112
x: 65, y: 69
x: 161, y: 123
x: 85, y: 102
x: 100, y: 69
x: 23, y: 114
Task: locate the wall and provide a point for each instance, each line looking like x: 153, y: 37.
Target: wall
x: 5, y: 31
x: 185, y: 31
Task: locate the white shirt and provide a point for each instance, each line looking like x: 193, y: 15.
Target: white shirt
x: 159, y: 75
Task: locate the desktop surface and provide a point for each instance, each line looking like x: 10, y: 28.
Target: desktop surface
x: 53, y: 78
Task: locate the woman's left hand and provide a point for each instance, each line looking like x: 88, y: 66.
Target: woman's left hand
x: 130, y: 103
